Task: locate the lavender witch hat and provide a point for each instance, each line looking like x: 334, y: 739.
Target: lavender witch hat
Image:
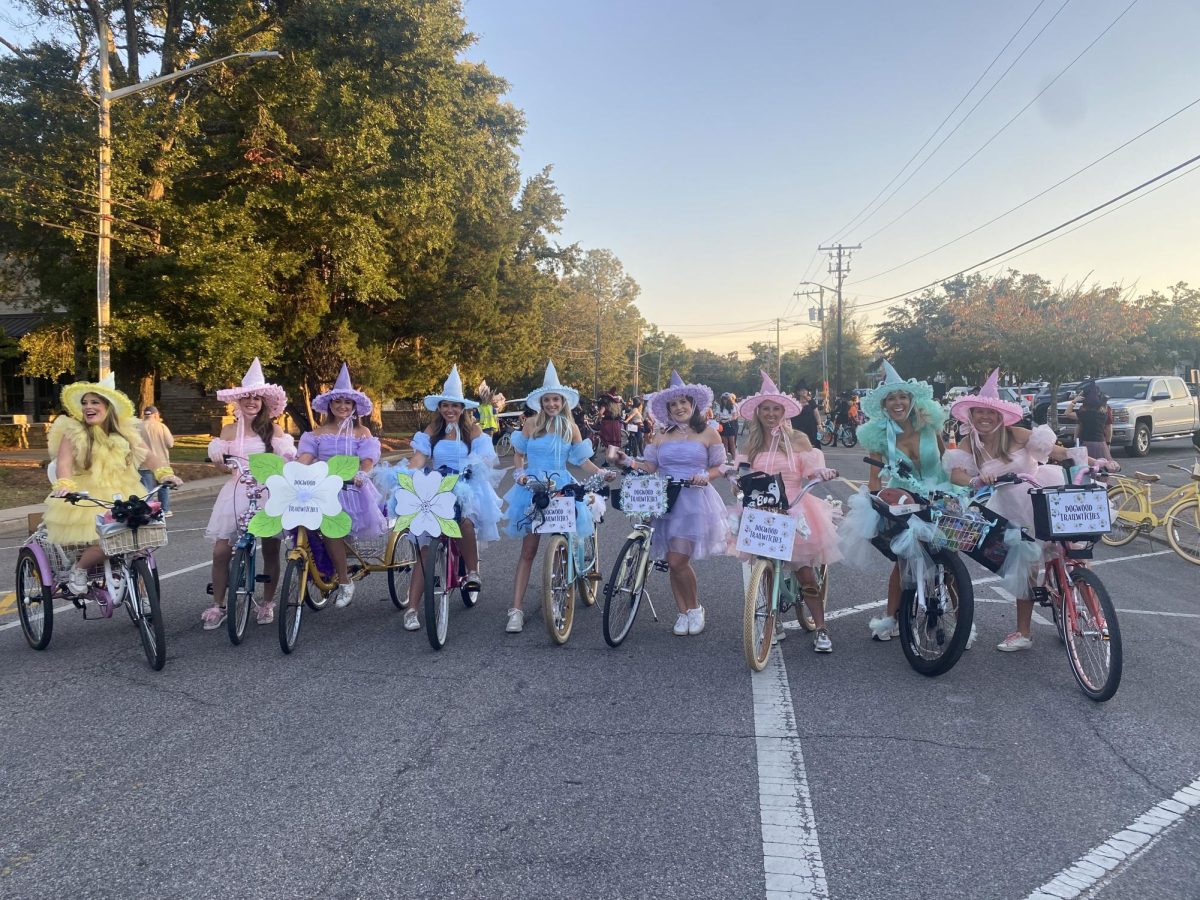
x: 701, y: 396
x: 343, y: 388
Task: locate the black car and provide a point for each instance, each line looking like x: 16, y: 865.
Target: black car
x: 1041, y: 403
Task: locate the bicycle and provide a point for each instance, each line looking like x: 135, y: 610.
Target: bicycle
x: 1087, y: 625
x: 243, y: 565
x: 1133, y: 512
x: 772, y: 589
x: 304, y: 585
x: 830, y: 435
x: 571, y: 564
x: 128, y: 534
x: 626, y: 587
x: 937, y: 609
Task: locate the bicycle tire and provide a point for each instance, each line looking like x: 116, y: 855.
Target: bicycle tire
x: 623, y: 591
x: 849, y: 436
x: 1182, y: 525
x: 400, y: 565
x: 828, y: 437
x: 558, y: 595
x: 437, y: 596
x: 927, y: 647
x: 504, y: 444
x: 758, y: 615
x: 1085, y: 637
x: 238, y: 596
x: 144, y: 594
x: 587, y: 587
x: 37, y: 624
x: 1122, y: 498
x: 292, y: 599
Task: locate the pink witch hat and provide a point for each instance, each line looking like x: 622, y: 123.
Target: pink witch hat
x: 255, y: 385
x: 987, y: 398
x: 770, y: 394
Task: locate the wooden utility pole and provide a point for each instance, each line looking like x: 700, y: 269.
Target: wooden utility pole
x: 839, y: 265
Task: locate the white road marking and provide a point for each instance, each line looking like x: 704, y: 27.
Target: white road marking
x: 791, y: 851
x: 1103, y: 863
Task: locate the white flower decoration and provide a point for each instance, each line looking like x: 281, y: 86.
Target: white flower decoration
x: 304, y: 495
x: 427, y: 502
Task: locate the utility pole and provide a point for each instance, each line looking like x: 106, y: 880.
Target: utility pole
x: 658, y: 375
x: 820, y: 310
x: 637, y: 360
x: 778, y: 355
x: 596, y: 373
x: 104, y: 225
x: 839, y: 265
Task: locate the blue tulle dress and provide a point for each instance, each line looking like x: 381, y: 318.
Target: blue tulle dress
x: 546, y: 456
x: 476, y: 494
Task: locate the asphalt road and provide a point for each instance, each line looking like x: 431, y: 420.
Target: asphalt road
x: 367, y: 765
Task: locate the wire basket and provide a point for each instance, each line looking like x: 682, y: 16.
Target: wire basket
x: 959, y: 533
x: 370, y: 547
x: 60, y: 556
x: 127, y: 540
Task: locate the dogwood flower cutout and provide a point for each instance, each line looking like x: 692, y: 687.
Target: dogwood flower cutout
x: 424, y: 504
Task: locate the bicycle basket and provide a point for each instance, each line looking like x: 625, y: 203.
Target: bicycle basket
x: 762, y: 491
x: 115, y: 541
x: 1071, y: 513
x: 991, y: 551
x: 960, y: 532
x: 370, y: 546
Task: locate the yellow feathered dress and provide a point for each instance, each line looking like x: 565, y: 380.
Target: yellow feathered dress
x: 113, y: 470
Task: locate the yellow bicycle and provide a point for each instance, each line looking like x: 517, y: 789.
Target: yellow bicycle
x: 1133, y: 512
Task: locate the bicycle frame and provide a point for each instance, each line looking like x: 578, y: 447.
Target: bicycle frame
x: 1145, y: 518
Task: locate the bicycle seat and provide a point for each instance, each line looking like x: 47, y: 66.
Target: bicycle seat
x: 1147, y: 479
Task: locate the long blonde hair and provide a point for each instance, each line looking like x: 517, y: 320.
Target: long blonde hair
x: 111, y: 424
x: 559, y: 424
x: 756, y: 437
x: 1003, y: 445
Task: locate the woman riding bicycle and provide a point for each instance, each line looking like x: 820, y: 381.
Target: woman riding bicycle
x: 341, y: 434
x: 995, y: 447
x: 903, y: 433
x: 774, y: 448
x: 256, y: 406
x: 97, y: 449
x: 453, y: 442
x: 695, y: 527
x: 546, y: 444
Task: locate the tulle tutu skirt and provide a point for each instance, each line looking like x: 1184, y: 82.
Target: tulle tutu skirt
x: 695, y: 526
x: 517, y: 502
x: 231, y: 502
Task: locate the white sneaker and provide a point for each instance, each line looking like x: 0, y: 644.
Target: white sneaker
x: 821, y: 642
x: 780, y: 632
x: 884, y: 628
x: 516, y: 621
x: 77, y: 581
x: 411, y: 622
x: 345, y: 593
x: 971, y: 637
x: 1015, y: 641
x: 681, y: 625
x: 695, y: 620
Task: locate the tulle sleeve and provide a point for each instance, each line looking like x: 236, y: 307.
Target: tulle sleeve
x: 580, y: 453
x: 520, y: 442
x: 959, y: 459
x: 421, y: 444
x: 284, y: 445
x: 483, y: 450
x: 651, y: 454
x: 716, y: 455
x: 369, y: 449
x: 308, y: 444
x: 217, y: 449
x: 810, y: 460
x: 1041, y: 442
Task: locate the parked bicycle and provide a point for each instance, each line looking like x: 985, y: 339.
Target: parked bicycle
x: 831, y: 435
x: 1083, y: 611
x: 1133, y: 511
x: 571, y: 564
x: 129, y: 533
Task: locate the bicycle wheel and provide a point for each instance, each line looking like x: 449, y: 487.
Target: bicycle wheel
x: 504, y: 444
x: 623, y: 593
x: 144, y: 595
x: 934, y: 638
x: 1127, y: 501
x: 588, y: 582
x: 828, y: 437
x: 1093, y: 636
x: 849, y: 436
x: 437, y: 596
x: 292, y: 597
x: 758, y: 615
x: 1183, y: 529
x: 35, y: 601
x: 558, y: 594
x: 400, y: 569
x: 239, y: 595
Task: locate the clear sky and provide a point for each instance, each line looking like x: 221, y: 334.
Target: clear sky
x: 712, y: 146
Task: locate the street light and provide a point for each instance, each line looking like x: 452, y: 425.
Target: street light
x: 104, y: 253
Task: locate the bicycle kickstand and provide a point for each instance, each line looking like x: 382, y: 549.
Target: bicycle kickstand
x: 650, y: 603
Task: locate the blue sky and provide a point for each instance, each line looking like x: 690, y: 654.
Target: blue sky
x: 713, y: 146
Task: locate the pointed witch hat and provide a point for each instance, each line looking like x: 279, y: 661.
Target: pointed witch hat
x: 452, y: 391
x: 769, y: 393
x: 106, y: 387
x: 255, y: 385
x: 343, y: 388
x: 551, y: 385
x: 987, y: 398
x: 701, y: 396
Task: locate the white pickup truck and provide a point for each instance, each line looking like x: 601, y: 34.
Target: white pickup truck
x: 1148, y: 408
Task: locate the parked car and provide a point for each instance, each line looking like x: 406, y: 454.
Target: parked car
x: 955, y: 392
x: 1041, y: 403
x: 1148, y: 408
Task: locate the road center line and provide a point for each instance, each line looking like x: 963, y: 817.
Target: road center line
x: 791, y: 852
x: 1103, y: 863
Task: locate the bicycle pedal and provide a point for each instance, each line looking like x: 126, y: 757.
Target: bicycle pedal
x: 262, y: 579
x: 1041, y: 596
x: 208, y: 590
x: 660, y: 565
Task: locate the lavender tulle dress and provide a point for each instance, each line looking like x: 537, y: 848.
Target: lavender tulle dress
x: 696, y: 524
x: 361, y: 502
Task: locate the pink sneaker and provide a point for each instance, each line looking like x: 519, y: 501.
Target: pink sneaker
x: 213, y: 618
x: 1015, y: 641
x: 265, y: 614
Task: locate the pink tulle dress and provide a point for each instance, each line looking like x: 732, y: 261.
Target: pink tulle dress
x: 1013, y: 502
x: 231, y: 501
x: 797, y: 468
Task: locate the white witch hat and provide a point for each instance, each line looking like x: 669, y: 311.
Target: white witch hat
x: 551, y: 385
x: 452, y: 391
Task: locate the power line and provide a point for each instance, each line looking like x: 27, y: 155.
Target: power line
x: 1034, y: 197
x: 1004, y: 127
x: 942, y: 124
x: 1026, y: 243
